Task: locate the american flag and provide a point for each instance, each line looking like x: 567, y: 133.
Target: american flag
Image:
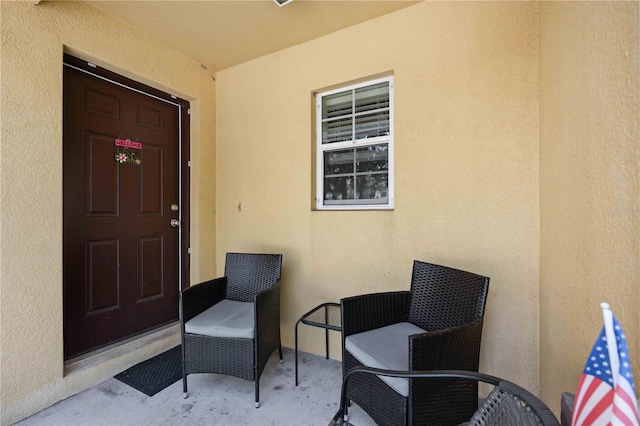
x: 606, y: 394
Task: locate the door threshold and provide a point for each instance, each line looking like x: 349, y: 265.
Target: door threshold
x: 129, y: 351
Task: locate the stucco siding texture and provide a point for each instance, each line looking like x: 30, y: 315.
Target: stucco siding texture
x: 589, y: 183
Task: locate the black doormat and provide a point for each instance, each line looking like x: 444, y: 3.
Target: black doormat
x: 155, y: 374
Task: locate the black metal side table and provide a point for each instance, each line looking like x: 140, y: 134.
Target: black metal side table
x: 325, y: 316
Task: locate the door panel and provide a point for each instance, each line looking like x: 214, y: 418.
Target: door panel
x: 150, y: 283
x: 102, y: 281
x: 102, y: 177
x: 120, y: 254
x: 151, y: 182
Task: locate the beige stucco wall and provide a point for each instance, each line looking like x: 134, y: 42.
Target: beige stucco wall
x: 589, y: 183
x: 466, y: 159
x: 33, y: 41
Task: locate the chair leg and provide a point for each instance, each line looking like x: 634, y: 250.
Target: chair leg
x: 257, y: 393
x: 280, y: 349
x: 185, y: 394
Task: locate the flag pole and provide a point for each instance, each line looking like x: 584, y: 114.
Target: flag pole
x: 612, y: 344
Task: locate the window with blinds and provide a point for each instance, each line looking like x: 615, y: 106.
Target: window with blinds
x: 355, y: 147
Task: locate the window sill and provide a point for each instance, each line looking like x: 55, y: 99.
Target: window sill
x: 356, y: 207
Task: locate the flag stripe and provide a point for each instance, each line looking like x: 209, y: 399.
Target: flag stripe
x: 595, y: 392
x: 580, y: 395
x: 624, y: 414
x: 619, y: 417
x: 624, y: 390
x: 624, y: 406
x: 601, y: 406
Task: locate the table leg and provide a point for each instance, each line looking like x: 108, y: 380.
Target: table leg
x: 296, y: 351
x: 326, y: 330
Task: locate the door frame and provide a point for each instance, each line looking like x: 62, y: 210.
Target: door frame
x: 184, y: 140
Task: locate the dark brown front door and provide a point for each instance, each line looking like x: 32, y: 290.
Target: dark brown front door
x: 120, y: 252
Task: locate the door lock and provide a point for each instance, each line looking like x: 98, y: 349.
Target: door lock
x: 175, y: 223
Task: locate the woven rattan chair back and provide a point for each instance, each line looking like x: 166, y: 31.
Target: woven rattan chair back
x: 443, y: 297
x: 248, y: 274
x: 509, y: 404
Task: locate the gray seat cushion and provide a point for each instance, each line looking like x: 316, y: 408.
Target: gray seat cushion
x: 385, y: 347
x: 227, y: 318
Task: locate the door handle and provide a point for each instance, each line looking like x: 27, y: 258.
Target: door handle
x: 175, y: 223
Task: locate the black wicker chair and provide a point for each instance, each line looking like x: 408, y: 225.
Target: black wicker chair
x: 253, y: 278
x: 507, y: 405
x: 442, y: 315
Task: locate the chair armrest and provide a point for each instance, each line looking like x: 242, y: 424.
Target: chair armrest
x: 369, y: 311
x: 267, y: 324
x: 455, y: 348
x: 267, y: 308
x: 198, y: 298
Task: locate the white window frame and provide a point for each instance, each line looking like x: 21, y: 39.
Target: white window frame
x: 352, y: 144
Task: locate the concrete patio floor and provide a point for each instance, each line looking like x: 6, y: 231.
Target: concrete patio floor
x: 214, y: 400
